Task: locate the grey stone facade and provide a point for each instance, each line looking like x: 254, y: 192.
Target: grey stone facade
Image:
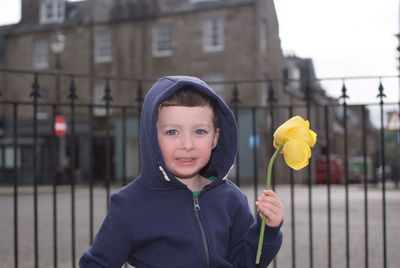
x: 131, y: 23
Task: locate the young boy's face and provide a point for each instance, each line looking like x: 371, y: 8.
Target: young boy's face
x: 186, y: 136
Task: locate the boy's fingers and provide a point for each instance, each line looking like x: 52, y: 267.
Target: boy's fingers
x: 274, y: 218
x: 270, y: 199
x: 276, y: 207
x: 269, y: 193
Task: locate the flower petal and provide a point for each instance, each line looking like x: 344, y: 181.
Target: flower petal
x: 296, y: 154
x: 292, y: 124
x: 312, y: 137
x: 301, y: 135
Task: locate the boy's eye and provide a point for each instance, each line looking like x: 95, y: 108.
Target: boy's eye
x: 200, y: 131
x: 171, y: 132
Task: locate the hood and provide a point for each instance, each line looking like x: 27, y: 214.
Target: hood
x: 153, y: 170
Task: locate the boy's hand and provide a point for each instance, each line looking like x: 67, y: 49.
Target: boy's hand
x: 269, y: 205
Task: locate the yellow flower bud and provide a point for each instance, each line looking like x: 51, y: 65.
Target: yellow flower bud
x: 296, y: 137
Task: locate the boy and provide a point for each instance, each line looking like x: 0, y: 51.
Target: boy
x: 181, y: 211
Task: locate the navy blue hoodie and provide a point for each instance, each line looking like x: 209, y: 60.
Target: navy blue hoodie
x: 156, y: 222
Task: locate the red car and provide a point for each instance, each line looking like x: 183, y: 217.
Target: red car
x: 336, y: 171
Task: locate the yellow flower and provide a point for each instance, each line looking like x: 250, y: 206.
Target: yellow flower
x: 297, y: 138
x: 294, y: 140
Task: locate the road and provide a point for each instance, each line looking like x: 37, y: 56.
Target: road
x: 284, y: 259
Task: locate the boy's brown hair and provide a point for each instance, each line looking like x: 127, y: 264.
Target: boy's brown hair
x: 189, y: 97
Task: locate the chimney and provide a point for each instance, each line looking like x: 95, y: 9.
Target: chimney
x: 30, y: 11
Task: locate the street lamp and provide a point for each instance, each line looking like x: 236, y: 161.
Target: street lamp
x: 57, y: 44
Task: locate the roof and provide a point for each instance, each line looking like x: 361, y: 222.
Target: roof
x: 108, y: 11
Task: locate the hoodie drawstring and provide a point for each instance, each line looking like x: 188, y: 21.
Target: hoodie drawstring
x: 164, y: 173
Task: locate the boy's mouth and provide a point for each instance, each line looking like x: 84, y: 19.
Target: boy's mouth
x: 185, y: 161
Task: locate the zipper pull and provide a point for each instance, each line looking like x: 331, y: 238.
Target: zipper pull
x: 196, y: 204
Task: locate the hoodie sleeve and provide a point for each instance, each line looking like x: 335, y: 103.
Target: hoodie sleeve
x: 111, y: 246
x: 245, y: 233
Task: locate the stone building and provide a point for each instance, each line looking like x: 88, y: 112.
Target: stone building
x: 327, y: 119
x: 120, y: 46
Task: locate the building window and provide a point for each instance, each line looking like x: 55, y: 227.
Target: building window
x: 213, y: 35
x: 263, y: 35
x: 291, y: 77
x: 52, y: 11
x: 42, y: 110
x: 100, y: 108
x: 103, y: 46
x: 40, y: 54
x: 7, y: 157
x: 162, y: 40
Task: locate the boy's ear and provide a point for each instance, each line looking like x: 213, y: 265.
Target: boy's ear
x: 216, y: 136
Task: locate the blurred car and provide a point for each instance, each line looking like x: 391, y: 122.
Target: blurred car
x: 379, y: 173
x: 336, y: 171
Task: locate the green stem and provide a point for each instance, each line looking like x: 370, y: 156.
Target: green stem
x: 263, y: 222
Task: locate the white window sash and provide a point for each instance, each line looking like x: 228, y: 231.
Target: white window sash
x: 213, y: 35
x: 263, y: 35
x: 52, y: 11
x: 162, y: 40
x: 103, y: 46
x: 40, y: 54
x: 98, y: 95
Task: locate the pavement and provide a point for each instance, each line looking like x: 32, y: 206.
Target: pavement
x: 301, y: 222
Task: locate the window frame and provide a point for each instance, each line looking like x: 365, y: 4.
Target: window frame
x: 103, y: 49
x: 213, y: 34
x: 52, y: 11
x: 40, y: 57
x: 263, y: 35
x: 100, y: 109
x: 162, y: 35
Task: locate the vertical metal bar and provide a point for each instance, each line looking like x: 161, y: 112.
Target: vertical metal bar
x: 15, y: 196
x: 346, y: 172
x: 124, y: 146
x: 55, y: 182
x: 107, y: 98
x: 2, y: 162
x: 271, y: 100
x: 255, y: 158
x: 235, y: 102
x: 91, y: 208
x: 397, y: 143
x: 72, y: 97
x: 292, y: 204
x: 124, y: 152
x: 365, y: 175
x: 91, y: 128
x: 328, y: 183
x: 35, y: 95
x: 139, y: 101
x: 383, y: 163
x: 310, y: 211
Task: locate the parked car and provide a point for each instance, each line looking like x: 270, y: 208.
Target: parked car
x: 379, y: 173
x: 336, y: 170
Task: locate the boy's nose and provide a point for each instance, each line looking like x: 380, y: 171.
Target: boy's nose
x: 187, y: 142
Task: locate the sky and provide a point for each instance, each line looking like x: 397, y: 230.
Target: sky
x: 344, y: 38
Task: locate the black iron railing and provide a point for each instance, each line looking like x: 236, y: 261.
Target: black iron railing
x: 102, y: 148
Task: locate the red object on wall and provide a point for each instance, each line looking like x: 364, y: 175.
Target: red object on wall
x: 60, y: 126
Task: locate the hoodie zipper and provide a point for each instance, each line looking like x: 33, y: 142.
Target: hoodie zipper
x: 196, y: 209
